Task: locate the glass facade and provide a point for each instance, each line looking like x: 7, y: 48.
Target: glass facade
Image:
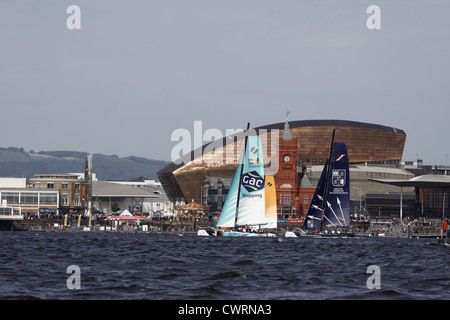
x: 11, y: 197
x: 29, y: 198
x: 50, y: 199
x: 6, y: 211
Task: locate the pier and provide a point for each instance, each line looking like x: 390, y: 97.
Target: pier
x: 8, y: 217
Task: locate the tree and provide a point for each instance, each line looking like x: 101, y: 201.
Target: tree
x: 115, y: 206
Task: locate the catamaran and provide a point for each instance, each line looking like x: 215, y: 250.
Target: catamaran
x: 329, y: 212
x: 250, y: 207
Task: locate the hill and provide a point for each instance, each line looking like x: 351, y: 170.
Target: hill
x: 16, y: 162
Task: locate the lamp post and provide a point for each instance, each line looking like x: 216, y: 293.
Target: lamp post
x: 360, y: 191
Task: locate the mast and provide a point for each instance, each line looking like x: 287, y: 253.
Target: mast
x: 240, y: 176
x: 325, y: 191
x: 88, y: 181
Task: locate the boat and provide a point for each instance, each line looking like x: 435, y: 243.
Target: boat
x: 250, y: 207
x: 329, y: 211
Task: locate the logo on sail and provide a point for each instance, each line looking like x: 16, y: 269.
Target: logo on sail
x: 339, y: 177
x: 252, y: 181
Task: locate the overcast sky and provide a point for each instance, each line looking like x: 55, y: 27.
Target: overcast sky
x: 138, y: 70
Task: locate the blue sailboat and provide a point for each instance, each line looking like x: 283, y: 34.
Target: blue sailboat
x: 329, y: 212
x: 244, y: 210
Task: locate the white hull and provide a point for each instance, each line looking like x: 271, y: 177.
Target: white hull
x: 215, y: 233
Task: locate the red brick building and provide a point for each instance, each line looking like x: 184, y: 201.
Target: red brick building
x: 294, y: 192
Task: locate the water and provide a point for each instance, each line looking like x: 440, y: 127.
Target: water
x: 33, y: 265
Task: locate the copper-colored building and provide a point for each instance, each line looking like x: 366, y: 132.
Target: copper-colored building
x: 371, y: 143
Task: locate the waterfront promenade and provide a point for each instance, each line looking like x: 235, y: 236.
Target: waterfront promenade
x: 391, y: 228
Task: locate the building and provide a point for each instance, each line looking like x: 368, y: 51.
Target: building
x: 108, y: 197
x: 432, y: 193
x: 293, y: 188
x: 71, y: 188
x: 13, y: 182
x: 291, y: 154
x: 28, y: 201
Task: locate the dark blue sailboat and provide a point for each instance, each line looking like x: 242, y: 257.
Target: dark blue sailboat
x: 329, y: 212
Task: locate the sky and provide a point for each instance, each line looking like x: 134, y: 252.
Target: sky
x: 136, y: 71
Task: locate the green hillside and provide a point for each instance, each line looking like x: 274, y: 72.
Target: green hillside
x: 15, y: 162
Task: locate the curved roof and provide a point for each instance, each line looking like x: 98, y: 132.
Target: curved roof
x: 326, y: 123
x: 280, y: 126
x: 428, y: 180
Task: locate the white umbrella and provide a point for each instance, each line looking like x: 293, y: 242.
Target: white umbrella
x: 169, y: 214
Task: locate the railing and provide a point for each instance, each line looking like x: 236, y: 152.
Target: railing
x: 11, y: 217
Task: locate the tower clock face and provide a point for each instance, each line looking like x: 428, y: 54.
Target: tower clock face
x: 287, y: 158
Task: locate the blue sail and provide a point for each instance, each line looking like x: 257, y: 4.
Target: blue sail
x: 337, y: 209
x: 228, y: 213
x: 313, y: 219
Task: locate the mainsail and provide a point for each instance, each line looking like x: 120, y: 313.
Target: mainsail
x: 250, y: 199
x: 336, y: 211
x: 313, y: 219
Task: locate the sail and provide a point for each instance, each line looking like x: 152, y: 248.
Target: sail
x: 228, y: 214
x: 313, y: 219
x: 337, y: 209
x: 252, y: 195
x: 271, y: 203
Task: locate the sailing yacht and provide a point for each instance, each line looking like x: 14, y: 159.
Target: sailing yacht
x: 250, y: 207
x: 329, y: 212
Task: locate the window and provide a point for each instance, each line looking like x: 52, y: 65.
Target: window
x: 305, y: 199
x: 77, y: 199
x: 29, y: 198
x: 48, y: 199
x: 286, y: 199
x: 77, y: 186
x: 6, y: 211
x: 64, y: 199
x: 50, y: 185
x: 64, y: 185
x: 11, y: 197
x: 37, y: 185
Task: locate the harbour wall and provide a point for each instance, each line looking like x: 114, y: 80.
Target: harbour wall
x: 362, y: 227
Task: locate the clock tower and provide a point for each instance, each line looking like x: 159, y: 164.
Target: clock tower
x: 286, y: 179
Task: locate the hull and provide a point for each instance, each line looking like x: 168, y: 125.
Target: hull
x: 244, y: 234
x: 206, y: 233
x: 231, y: 233
x: 291, y: 234
x: 235, y: 234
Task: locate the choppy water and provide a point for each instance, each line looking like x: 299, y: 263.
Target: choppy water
x: 33, y: 265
